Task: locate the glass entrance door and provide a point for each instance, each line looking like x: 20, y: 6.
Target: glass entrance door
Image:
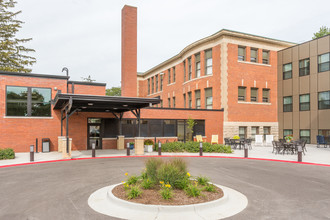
x: 94, y: 136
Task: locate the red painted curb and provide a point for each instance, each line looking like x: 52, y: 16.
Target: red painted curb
x: 89, y: 158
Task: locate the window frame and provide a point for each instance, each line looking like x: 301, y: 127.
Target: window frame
x: 189, y: 69
x: 149, y: 86
x: 241, y: 57
x: 29, y: 102
x: 161, y: 82
x: 321, y: 101
x: 286, y: 105
x: 189, y: 99
x: 305, y: 70
x: 256, y: 98
x: 308, y: 138
x: 169, y: 76
x: 286, y: 73
x: 208, y: 106
x: 198, y: 106
x: 206, y: 65
x: 152, y: 85
x: 197, y: 65
x: 302, y: 103
x: 173, y: 70
x: 173, y: 102
x: 265, y: 61
x: 156, y: 83
x: 319, y: 64
x: 264, y: 98
x: 254, y: 59
x: 238, y: 96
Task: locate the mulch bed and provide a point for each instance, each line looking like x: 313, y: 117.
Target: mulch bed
x: 153, y: 197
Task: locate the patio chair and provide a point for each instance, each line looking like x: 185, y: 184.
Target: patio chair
x: 274, y: 146
x: 248, y: 143
x: 199, y: 138
x: 321, y: 141
x: 279, y: 147
x: 214, y: 139
x: 227, y: 141
x: 233, y: 143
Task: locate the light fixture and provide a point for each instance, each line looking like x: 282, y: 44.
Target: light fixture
x: 90, y: 104
x: 115, y: 108
x: 83, y: 107
x: 125, y: 105
x: 107, y: 110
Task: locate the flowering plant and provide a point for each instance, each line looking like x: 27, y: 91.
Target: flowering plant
x: 236, y: 137
x: 288, y: 138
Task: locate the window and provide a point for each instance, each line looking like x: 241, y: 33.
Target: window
x: 287, y: 132
x: 242, y: 132
x: 241, y: 53
x: 161, y: 82
x: 152, y: 85
x: 287, y: 104
x: 198, y: 99
x: 265, y: 56
x: 161, y: 103
x: 304, y: 67
x: 254, y: 94
x: 254, y: 132
x: 27, y: 101
x: 148, y: 86
x: 189, y: 68
x: 324, y: 100
x: 304, y: 102
x: 254, y: 55
x: 184, y: 100
x: 169, y: 76
x: 189, y: 100
x: 169, y: 102
x: 184, y: 71
x: 197, y: 65
x: 156, y: 83
x: 208, y: 62
x: 266, y: 132
x: 324, y: 62
x: 208, y: 98
x: 174, y: 74
x: 169, y: 128
x: 241, y: 93
x: 287, y: 71
x: 265, y: 95
x: 305, y: 135
x: 173, y: 102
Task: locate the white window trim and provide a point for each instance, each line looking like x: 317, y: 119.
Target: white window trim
x: 205, y: 76
x: 258, y: 64
x: 255, y: 103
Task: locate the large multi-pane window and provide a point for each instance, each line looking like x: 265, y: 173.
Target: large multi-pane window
x: 287, y: 71
x: 324, y: 100
x: 189, y: 68
x: 189, y: 100
x: 304, y: 67
x: 241, y: 53
x: 305, y: 135
x: 242, y: 132
x: 208, y: 62
x: 287, y: 132
x: 287, y: 104
x: 197, y: 65
x: 152, y: 85
x: 304, y: 102
x: 184, y: 71
x: 241, y: 93
x: 148, y: 86
x: 156, y: 83
x: 265, y: 56
x: 254, y: 94
x: 265, y: 95
x: 254, y: 55
x: 161, y: 82
x: 266, y: 132
x: 169, y: 76
x: 174, y: 74
x: 324, y: 62
x: 28, y: 101
x: 198, y: 99
x: 254, y: 132
x: 208, y: 98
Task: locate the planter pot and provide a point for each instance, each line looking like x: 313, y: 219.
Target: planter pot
x: 148, y: 148
x: 131, y: 146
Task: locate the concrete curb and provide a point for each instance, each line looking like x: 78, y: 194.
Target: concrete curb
x: 103, y: 201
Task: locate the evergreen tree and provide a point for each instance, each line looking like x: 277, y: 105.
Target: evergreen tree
x: 322, y: 32
x: 13, y: 56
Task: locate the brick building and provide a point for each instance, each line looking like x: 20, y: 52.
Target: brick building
x: 230, y: 70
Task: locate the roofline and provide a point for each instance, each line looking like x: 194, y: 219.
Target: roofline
x: 87, y: 83
x: 218, y: 34
x: 305, y: 42
x: 34, y: 75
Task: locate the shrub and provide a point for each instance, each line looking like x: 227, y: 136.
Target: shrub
x: 152, y: 165
x: 182, y: 183
x: 144, y: 175
x: 173, y: 147
x: 172, y: 171
x: 133, y: 192
x: 147, y: 184
x: 209, y: 188
x: 166, y: 191
x: 132, y: 180
x: 192, y: 190
x: 7, y: 153
x: 148, y: 142
x: 193, y: 147
x: 202, y: 180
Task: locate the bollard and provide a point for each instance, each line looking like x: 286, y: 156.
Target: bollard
x: 128, y: 149
x: 31, y: 153
x: 36, y: 145
x: 200, y: 149
x: 159, y: 148
x: 93, y: 149
x: 246, y: 151
x: 300, y: 153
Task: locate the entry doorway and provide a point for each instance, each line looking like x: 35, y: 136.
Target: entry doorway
x: 94, y: 133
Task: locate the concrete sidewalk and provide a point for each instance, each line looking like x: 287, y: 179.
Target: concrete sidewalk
x: 313, y: 155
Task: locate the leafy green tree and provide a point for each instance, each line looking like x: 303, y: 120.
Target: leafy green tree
x: 114, y: 91
x: 88, y: 79
x: 13, y: 56
x: 322, y: 32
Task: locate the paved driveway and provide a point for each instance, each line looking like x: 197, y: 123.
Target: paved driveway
x: 60, y: 190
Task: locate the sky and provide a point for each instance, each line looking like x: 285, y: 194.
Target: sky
x: 85, y: 35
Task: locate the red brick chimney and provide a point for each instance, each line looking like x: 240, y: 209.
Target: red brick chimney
x: 129, y: 51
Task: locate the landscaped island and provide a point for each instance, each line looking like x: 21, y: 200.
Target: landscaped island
x: 167, y: 182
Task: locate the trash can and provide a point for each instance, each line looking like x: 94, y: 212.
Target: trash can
x: 60, y: 143
x: 45, y: 145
